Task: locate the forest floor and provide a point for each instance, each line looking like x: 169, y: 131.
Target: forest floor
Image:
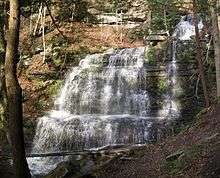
x: 193, y: 153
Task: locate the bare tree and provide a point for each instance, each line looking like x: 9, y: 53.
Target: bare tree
x: 2, y: 57
x: 199, y: 54
x: 14, y: 93
x: 3, y: 100
x: 215, y: 28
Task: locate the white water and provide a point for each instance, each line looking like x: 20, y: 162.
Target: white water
x: 104, y: 101
x: 171, y: 106
x: 186, y: 28
x: 96, y: 88
x: 97, y: 101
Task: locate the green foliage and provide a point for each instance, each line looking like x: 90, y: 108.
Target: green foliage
x: 217, y: 100
x: 201, y: 113
x: 151, y: 56
x: 157, y: 85
x: 73, y: 58
x: 203, y: 8
x: 168, y: 9
x: 80, y: 11
x: 176, y: 166
x: 165, y: 14
x: 41, y: 104
x: 162, y: 85
x: 182, y: 127
x: 137, y: 33
x: 51, y: 90
x: 58, y: 41
x: 57, y: 57
x: 75, y: 9
x: 54, y: 88
x: 29, y: 128
x: 187, y: 53
x: 119, y: 4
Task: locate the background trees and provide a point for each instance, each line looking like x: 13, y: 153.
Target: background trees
x: 165, y: 14
x: 199, y: 56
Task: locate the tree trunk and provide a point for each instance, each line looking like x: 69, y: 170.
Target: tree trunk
x: 215, y: 28
x: 2, y: 25
x: 3, y: 100
x: 14, y: 93
x: 199, y: 54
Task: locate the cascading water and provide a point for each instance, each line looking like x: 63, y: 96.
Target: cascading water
x: 98, y: 98
x: 104, y: 101
x: 93, y: 88
x: 171, y: 107
x: 185, y: 29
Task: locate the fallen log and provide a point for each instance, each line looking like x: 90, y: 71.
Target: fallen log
x: 52, y: 154
x: 110, y: 149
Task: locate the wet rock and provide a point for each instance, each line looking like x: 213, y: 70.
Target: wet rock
x: 156, y: 38
x: 107, y: 19
x: 86, y: 164
x: 60, y: 171
x: 94, y: 11
x: 73, y: 168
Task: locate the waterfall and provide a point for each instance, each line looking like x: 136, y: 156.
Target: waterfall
x: 100, y: 97
x: 186, y: 28
x: 171, y: 107
x: 105, y: 101
x: 112, y: 88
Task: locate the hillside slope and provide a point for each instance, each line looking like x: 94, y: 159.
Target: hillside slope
x: 195, y: 152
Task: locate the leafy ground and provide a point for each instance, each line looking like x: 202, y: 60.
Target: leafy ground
x: 194, y: 153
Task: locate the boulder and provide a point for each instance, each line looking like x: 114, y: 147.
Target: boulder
x: 73, y: 168
x: 156, y: 38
